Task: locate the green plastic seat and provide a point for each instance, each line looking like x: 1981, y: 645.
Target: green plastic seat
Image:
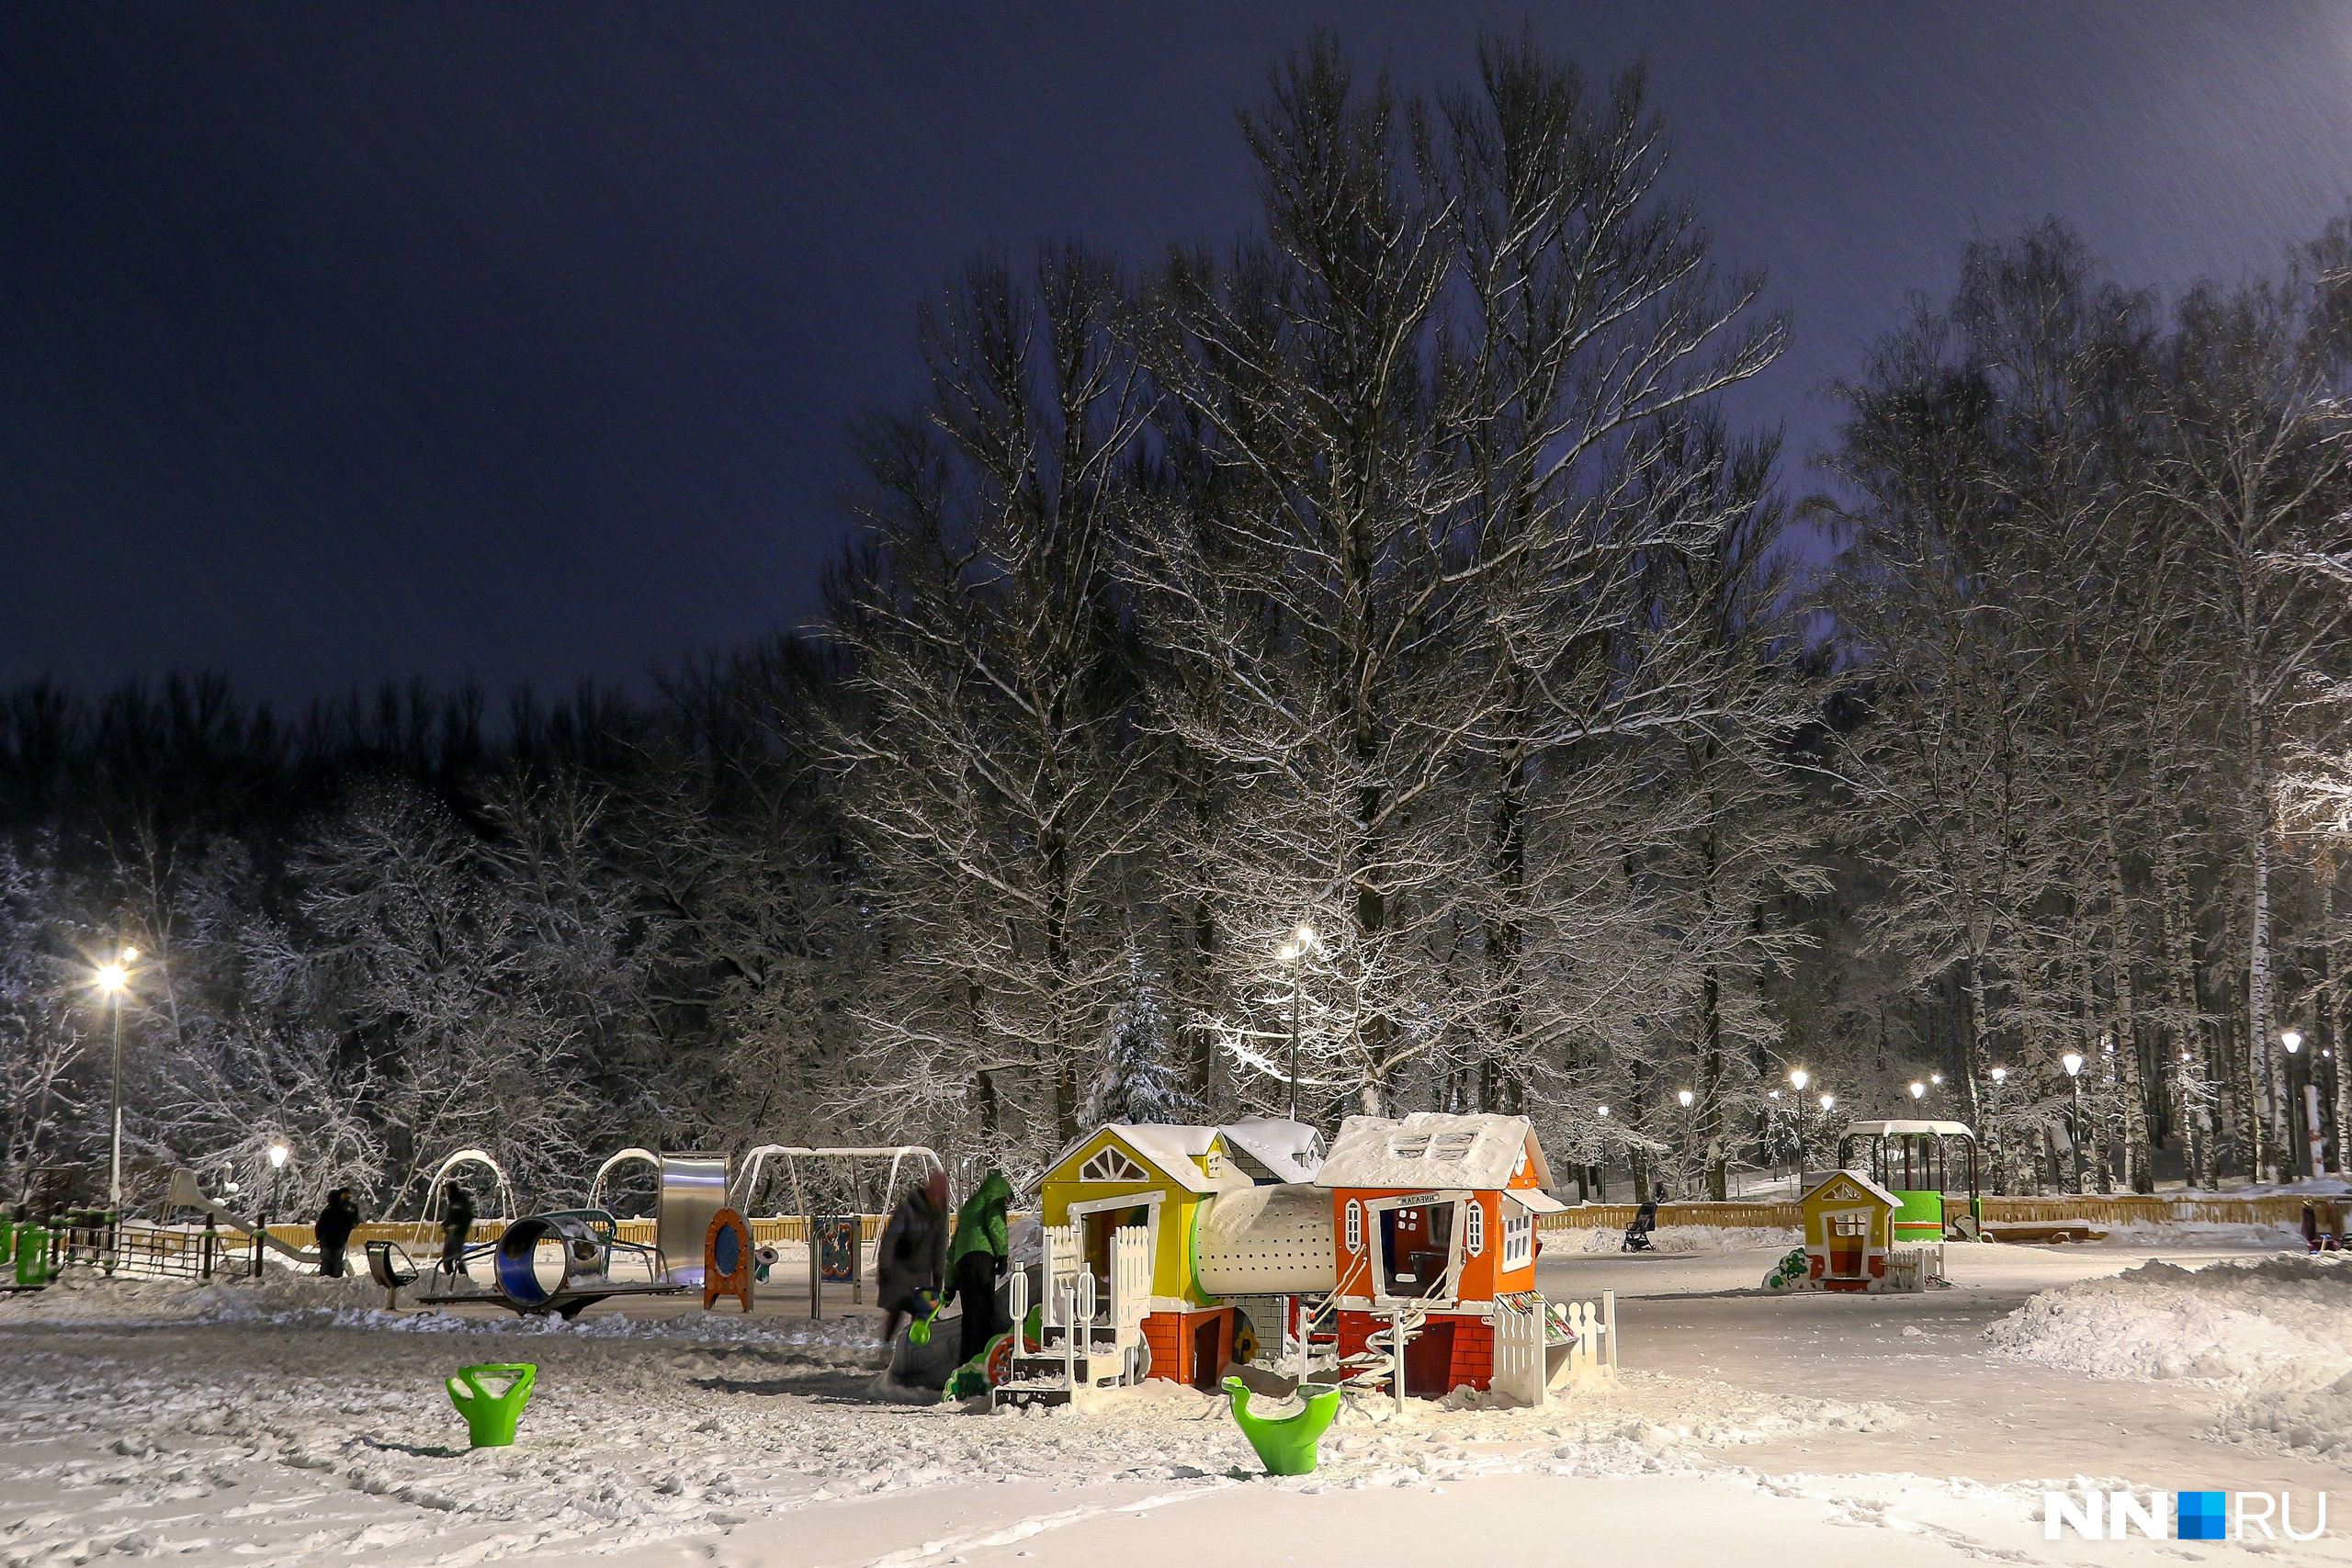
x: 491, y: 1417
x: 1287, y: 1445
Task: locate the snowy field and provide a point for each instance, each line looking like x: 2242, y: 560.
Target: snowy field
x: 291, y: 1421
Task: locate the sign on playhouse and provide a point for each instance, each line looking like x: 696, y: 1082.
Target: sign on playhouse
x: 2202, y: 1515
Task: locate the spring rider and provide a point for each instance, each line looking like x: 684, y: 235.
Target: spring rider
x: 1286, y: 1445
x: 491, y: 1417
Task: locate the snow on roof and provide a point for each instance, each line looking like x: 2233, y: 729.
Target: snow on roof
x: 1901, y: 1128
x: 1174, y: 1150
x: 1283, y: 1150
x: 1859, y: 1179
x: 1432, y: 1149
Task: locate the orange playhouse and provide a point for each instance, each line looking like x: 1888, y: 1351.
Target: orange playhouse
x: 1434, y: 1218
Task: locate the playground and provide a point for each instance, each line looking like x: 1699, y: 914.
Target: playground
x: 1823, y: 1389
x: 294, y: 1420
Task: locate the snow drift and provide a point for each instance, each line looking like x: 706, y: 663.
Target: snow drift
x: 2275, y: 1335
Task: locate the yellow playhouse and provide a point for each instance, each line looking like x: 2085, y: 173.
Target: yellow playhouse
x: 1848, y: 1226
x: 1156, y: 1176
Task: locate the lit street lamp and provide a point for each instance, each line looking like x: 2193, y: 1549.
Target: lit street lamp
x: 2073, y: 1062
x: 1294, y: 956
x: 1918, y: 1091
x: 2314, y: 1131
x: 113, y: 980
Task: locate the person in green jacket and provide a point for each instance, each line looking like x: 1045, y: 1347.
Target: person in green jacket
x: 977, y: 1259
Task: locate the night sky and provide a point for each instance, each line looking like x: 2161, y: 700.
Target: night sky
x: 516, y: 342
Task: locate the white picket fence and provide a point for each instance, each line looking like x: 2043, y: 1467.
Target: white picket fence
x: 1070, y: 1302
x: 1915, y: 1268
x: 1524, y: 1365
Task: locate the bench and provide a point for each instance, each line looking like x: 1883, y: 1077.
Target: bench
x: 2043, y: 1232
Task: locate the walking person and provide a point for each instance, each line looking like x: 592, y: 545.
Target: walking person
x: 457, y: 1222
x: 911, y: 1259
x: 333, y: 1231
x: 977, y: 1259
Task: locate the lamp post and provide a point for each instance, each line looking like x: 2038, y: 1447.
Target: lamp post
x: 1993, y: 1129
x: 1798, y: 1078
x: 1918, y: 1091
x: 112, y: 980
x: 2314, y: 1135
x: 1294, y: 955
x: 2073, y: 1062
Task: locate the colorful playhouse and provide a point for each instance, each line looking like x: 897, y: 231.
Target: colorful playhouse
x: 1434, y: 1219
x: 1848, y: 1231
x: 1156, y: 1178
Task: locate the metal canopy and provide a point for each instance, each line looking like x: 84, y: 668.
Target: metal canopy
x: 1908, y: 1129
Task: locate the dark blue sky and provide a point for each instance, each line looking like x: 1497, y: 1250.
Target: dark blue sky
x: 516, y: 342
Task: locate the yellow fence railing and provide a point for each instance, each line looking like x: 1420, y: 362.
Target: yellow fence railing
x: 2118, y: 1210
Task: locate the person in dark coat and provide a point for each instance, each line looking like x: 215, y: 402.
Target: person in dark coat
x: 333, y: 1231
x: 911, y: 1259
x: 457, y: 1222
x: 979, y: 1260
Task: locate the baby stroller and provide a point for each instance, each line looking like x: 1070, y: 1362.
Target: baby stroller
x: 1637, y: 1234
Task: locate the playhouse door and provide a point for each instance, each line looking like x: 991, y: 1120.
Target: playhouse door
x: 1848, y: 1233
x: 1429, y: 1359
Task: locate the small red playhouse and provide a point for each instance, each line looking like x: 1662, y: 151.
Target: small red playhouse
x: 1433, y: 1217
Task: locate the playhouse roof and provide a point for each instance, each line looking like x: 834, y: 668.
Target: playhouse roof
x: 1903, y: 1129
x: 1274, y: 1147
x: 1172, y: 1150
x: 1430, y: 1149
x: 1858, y: 1179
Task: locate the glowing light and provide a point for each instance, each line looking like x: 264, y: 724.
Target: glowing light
x: 1917, y: 1091
x: 277, y: 1153
x: 1999, y: 1074
x: 1305, y: 937
x: 1828, y: 1101
x: 1685, y: 1095
x: 1604, y: 1110
x: 111, y: 978
x: 1800, y: 1078
x: 2073, y: 1062
x: 130, y: 955
x: 2293, y: 1040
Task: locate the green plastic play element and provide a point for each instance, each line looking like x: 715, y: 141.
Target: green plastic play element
x: 1287, y: 1445
x: 33, y: 1255
x: 1920, y: 1218
x: 491, y: 1417
x: 1789, y: 1272
x: 920, y: 1329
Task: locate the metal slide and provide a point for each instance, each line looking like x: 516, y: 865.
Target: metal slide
x: 187, y: 1194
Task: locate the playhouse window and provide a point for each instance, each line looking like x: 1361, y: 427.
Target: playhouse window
x: 1453, y: 1146
x: 1474, y: 1231
x: 1111, y: 1165
x: 1850, y: 1225
x: 1519, y: 1236
x: 1355, y: 1225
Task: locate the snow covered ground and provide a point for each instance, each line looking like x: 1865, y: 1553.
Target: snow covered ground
x: 293, y: 1421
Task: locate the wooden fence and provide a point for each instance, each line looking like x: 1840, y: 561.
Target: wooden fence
x: 2216, y: 1209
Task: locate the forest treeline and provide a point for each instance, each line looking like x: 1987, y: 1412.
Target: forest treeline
x: 1359, y: 664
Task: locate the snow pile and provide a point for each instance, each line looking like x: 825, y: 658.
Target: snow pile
x: 2275, y: 1334
x: 1681, y: 1238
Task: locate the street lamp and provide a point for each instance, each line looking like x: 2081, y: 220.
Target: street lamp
x: 2073, y: 1062
x: 113, y: 980
x: 1993, y: 1129
x: 1799, y: 1079
x: 1918, y: 1091
x: 1295, y: 955
x: 1685, y: 1097
x: 2314, y: 1134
